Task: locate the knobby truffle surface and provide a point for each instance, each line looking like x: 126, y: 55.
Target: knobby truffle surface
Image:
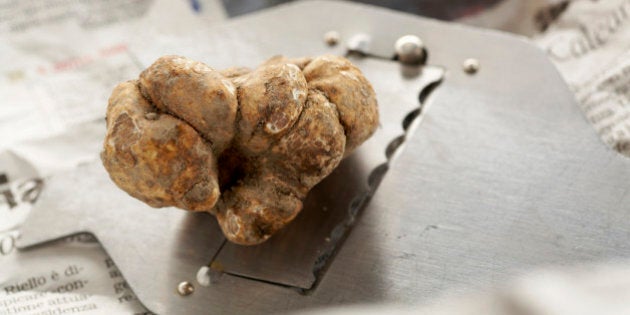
x: 245, y: 145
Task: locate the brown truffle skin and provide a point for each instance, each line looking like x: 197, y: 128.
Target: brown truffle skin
x: 345, y: 86
x: 235, y: 72
x: 271, y: 99
x: 245, y: 145
x: 143, y: 154
x: 301, y: 62
x: 195, y: 93
x: 272, y: 196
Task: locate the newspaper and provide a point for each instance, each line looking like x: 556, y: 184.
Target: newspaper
x: 54, y: 48
x: 590, y: 46
x: 589, y: 42
x: 73, y: 275
x: 59, y: 60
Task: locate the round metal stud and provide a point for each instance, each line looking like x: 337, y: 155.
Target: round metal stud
x: 409, y: 49
x: 185, y: 288
x: 471, y: 65
x: 332, y: 38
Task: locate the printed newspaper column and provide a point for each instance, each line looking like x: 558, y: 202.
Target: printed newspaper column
x: 590, y: 45
x: 59, y: 61
x: 72, y: 275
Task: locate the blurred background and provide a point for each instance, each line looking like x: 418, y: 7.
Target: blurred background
x: 523, y: 17
x: 450, y: 10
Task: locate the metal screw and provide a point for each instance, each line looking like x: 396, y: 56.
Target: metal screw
x: 203, y: 276
x: 409, y: 49
x: 332, y: 38
x: 185, y: 288
x: 359, y: 43
x: 471, y: 65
